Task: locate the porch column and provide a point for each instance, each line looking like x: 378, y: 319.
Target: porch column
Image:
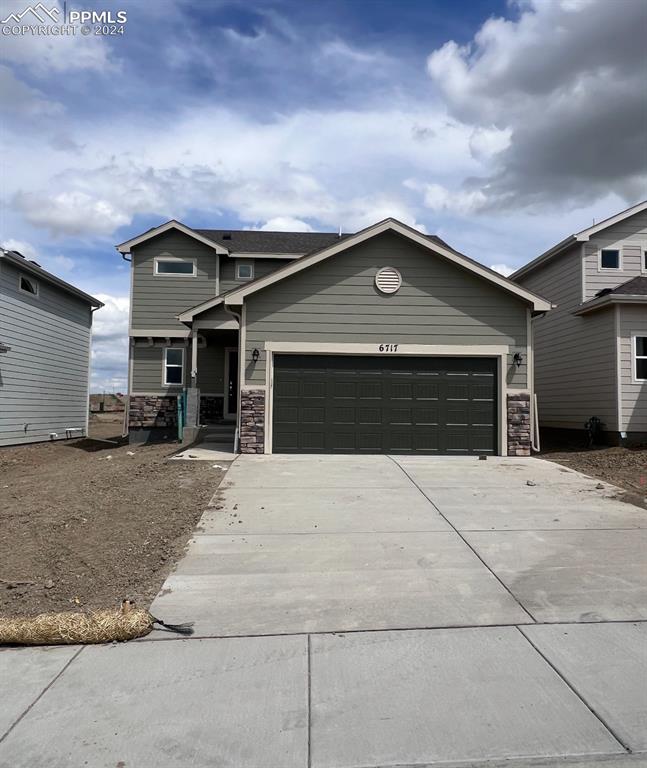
x: 193, y: 395
x: 194, y: 358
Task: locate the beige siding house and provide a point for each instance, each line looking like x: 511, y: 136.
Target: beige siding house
x: 384, y: 341
x: 591, y: 349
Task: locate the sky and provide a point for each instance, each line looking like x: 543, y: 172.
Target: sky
x: 501, y: 126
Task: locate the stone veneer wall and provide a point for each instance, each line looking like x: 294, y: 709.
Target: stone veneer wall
x: 519, y: 438
x: 252, y: 421
x: 211, y: 408
x: 151, y: 411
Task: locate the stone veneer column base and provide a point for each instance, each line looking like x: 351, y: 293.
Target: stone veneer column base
x: 519, y: 438
x: 252, y: 421
x: 152, y: 411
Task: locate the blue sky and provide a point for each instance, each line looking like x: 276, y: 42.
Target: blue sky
x: 501, y: 126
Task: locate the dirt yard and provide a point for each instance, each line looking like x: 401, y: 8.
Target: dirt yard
x: 85, y: 523
x: 620, y: 466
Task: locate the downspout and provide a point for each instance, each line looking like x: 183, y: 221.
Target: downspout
x: 535, y: 442
x: 87, y: 415
x: 237, y: 316
x: 131, y: 343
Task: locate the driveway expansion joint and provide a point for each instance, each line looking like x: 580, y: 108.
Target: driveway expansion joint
x: 464, y: 540
x: 575, y: 691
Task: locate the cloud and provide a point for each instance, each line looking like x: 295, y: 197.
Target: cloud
x: 503, y: 269
x: 110, y: 344
x: 20, y: 99
x: 47, y: 54
x: 559, y: 94
x: 337, y: 169
x: 285, y: 224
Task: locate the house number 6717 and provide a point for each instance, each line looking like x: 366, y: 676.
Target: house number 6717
x: 388, y: 347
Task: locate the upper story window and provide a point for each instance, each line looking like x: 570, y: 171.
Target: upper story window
x: 244, y: 271
x: 645, y: 260
x: 175, y: 266
x: 173, y: 366
x: 28, y: 285
x: 640, y: 358
x: 610, y: 258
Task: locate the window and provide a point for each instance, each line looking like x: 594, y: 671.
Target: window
x: 28, y: 285
x: 645, y: 260
x: 610, y: 258
x: 244, y: 272
x: 173, y: 366
x: 640, y: 358
x: 172, y: 265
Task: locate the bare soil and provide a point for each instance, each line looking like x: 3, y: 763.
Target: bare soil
x: 623, y: 467
x: 85, y: 524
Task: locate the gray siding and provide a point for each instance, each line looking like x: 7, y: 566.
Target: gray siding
x: 633, y: 319
x: 148, y: 363
x: 336, y: 301
x: 575, y: 367
x: 156, y: 300
x: 147, y: 373
x: 262, y: 267
x: 630, y: 237
x: 44, y: 378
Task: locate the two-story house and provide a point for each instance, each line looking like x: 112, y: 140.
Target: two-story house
x: 45, y: 336
x: 591, y: 350
x: 386, y: 340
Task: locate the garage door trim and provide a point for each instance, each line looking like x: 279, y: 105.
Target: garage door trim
x: 499, y: 352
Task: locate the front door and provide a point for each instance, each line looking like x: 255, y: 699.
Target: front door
x: 231, y: 382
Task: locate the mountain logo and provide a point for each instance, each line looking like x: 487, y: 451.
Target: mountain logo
x: 39, y: 11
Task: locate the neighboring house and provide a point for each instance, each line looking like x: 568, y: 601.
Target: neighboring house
x: 45, y: 330
x: 387, y: 340
x: 591, y: 351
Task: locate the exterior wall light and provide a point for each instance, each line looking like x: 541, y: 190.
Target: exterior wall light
x: 255, y: 354
x: 517, y: 359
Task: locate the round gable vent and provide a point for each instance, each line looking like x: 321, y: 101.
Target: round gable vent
x: 388, y: 280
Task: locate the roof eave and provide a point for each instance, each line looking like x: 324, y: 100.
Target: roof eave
x: 124, y: 248
x: 236, y: 297
x: 606, y: 301
x: 548, y: 255
x: 28, y: 266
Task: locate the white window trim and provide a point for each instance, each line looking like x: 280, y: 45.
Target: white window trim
x: 170, y: 257
x: 635, y: 356
x: 165, y: 365
x: 643, y: 257
x: 33, y: 281
x: 240, y: 264
x: 612, y: 270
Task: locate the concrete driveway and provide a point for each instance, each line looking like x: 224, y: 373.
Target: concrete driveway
x: 332, y: 544
x: 369, y: 611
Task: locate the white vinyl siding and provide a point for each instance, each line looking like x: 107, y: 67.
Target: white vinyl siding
x: 575, y: 359
x: 633, y: 322
x: 44, y: 376
x: 630, y: 238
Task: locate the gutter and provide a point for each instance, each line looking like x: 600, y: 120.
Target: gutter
x: 609, y: 300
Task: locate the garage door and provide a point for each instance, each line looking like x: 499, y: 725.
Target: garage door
x: 423, y: 405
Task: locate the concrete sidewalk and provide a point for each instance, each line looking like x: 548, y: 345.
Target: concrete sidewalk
x: 364, y: 612
x: 443, y: 696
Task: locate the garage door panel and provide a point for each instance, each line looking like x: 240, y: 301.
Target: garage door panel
x: 384, y: 404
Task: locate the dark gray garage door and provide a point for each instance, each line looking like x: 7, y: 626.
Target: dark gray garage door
x: 343, y: 404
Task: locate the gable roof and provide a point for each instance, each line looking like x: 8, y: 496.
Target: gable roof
x: 434, y: 244
x: 259, y: 241
x: 578, y: 237
x: 172, y: 224
x: 25, y: 265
